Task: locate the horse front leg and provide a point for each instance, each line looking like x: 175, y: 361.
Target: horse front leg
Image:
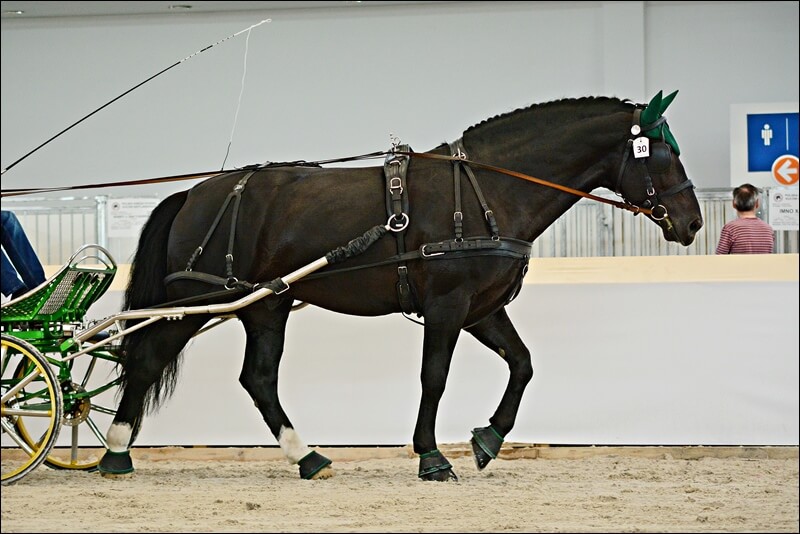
x: 442, y: 327
x: 497, y: 333
x: 266, y: 328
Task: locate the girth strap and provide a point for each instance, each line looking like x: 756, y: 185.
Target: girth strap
x: 394, y: 168
x: 469, y: 247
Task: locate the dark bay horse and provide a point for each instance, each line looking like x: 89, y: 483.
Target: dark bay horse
x: 454, y: 252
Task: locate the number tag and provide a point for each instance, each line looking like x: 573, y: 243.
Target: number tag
x: 641, y: 147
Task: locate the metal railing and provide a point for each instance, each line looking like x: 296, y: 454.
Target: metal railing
x: 58, y: 227
x: 594, y: 229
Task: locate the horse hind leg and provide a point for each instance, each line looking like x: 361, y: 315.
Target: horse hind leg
x: 149, y: 375
x: 265, y: 326
x: 497, y: 333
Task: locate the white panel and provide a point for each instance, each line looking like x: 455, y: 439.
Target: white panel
x: 669, y: 363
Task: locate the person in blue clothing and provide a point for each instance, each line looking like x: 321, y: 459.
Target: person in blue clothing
x: 21, y: 268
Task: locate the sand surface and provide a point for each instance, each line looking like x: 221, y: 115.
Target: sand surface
x: 601, y: 493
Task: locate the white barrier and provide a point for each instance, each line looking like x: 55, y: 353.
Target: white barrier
x: 682, y: 350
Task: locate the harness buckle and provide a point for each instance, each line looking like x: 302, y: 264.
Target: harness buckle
x: 231, y: 282
x: 284, y: 289
x: 458, y: 216
x: 396, y: 185
x: 426, y: 255
x: 403, y: 218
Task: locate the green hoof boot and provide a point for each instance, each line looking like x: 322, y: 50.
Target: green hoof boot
x: 115, y: 463
x: 313, y: 465
x: 486, y: 443
x: 435, y: 467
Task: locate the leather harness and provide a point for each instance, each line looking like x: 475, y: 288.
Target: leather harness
x: 397, y: 206
x: 395, y: 168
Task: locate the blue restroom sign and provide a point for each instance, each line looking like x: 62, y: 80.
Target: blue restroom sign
x: 770, y: 136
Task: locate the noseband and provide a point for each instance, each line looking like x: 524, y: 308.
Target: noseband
x: 657, y: 158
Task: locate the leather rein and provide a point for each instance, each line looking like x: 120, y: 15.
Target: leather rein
x: 460, y: 157
x: 194, y: 176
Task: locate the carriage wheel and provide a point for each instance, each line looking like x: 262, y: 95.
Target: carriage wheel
x: 88, y: 397
x: 32, y: 399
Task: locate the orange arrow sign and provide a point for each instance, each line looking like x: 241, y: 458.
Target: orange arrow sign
x: 784, y: 170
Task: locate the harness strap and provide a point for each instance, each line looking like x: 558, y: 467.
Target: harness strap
x: 353, y: 248
x: 394, y: 169
x: 458, y: 215
x: 460, y: 157
x: 236, y: 196
x: 626, y: 155
x: 468, y: 248
x: 677, y: 188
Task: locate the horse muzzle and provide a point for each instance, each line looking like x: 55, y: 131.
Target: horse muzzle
x: 678, y: 233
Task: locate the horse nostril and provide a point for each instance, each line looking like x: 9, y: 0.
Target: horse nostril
x: 696, y: 225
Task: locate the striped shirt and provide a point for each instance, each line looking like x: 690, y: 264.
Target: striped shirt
x: 746, y: 235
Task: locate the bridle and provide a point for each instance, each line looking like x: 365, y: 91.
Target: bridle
x: 657, y: 160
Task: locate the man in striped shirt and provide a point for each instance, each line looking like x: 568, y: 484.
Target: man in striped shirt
x: 747, y: 234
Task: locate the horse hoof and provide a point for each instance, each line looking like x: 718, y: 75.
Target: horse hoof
x: 445, y: 475
x: 325, y: 472
x: 312, y: 466
x: 434, y: 466
x: 486, y: 443
x: 115, y: 464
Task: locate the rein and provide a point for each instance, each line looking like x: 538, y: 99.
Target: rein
x: 515, y: 174
x: 192, y: 176
x: 371, y: 155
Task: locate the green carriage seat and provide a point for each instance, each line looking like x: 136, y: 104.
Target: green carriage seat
x: 41, y: 314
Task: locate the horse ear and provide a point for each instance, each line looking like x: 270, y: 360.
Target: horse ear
x: 652, y: 111
x: 666, y: 101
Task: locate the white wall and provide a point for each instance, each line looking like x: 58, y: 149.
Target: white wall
x: 325, y: 83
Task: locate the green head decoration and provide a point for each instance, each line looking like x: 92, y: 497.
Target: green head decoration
x: 651, y: 113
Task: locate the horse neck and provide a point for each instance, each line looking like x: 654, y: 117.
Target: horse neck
x: 581, y: 154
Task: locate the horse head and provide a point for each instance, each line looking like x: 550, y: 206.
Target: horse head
x: 652, y: 176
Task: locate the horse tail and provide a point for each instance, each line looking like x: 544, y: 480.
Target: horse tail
x: 149, y: 266
x: 146, y: 289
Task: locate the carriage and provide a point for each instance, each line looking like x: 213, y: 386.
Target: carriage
x: 462, y: 231
x: 44, y: 386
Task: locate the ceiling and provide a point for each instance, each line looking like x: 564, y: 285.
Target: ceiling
x: 27, y: 10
